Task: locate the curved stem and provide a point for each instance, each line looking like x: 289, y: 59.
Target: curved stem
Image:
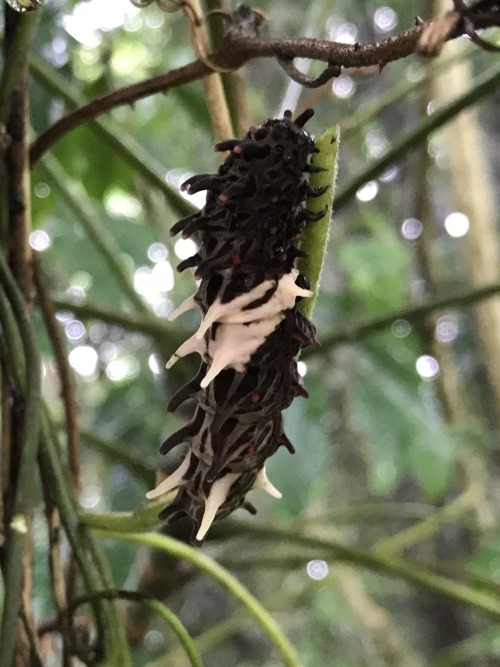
x: 127, y: 95
x: 104, y: 242
x: 356, y: 332
x: 111, y: 636
x: 156, y: 606
x: 111, y: 525
x: 122, y: 142
x: 233, y: 53
x: 230, y: 583
x: 414, y: 573
x: 483, y: 85
x: 67, y: 388
x: 163, y: 332
x: 22, y: 503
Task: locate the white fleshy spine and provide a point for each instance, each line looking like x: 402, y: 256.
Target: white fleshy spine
x: 236, y: 343
x: 218, y: 494
x: 241, y: 332
x: 262, y: 482
x: 172, y: 481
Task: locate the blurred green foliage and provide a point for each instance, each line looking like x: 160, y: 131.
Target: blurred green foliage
x: 373, y: 432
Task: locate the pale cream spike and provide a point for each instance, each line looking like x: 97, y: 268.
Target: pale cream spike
x: 235, y: 344
x: 218, y: 494
x: 283, y: 298
x: 192, y: 344
x: 218, y: 310
x: 172, y: 481
x: 262, y: 482
x: 217, y: 366
x: 186, y: 305
x: 292, y: 288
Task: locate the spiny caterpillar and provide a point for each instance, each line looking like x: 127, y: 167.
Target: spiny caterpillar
x: 251, y: 330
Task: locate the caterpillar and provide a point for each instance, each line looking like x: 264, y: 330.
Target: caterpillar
x: 251, y: 329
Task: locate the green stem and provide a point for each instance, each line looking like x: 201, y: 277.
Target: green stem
x: 145, y: 517
x: 104, y: 242
x: 14, y: 361
x: 156, y: 606
x: 483, y: 85
x: 118, y: 139
x: 16, y: 539
x: 355, y: 332
x: 179, y: 629
x: 158, y: 329
x: 230, y: 583
x: 215, y: 635
x: 88, y: 557
x: 422, y: 530
x: 414, y: 573
x: 367, y: 114
x: 316, y: 233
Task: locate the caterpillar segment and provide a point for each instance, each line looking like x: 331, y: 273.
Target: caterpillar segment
x: 251, y: 331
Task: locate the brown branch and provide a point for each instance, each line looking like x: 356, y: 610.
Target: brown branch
x: 212, y: 84
x: 238, y: 47
x: 17, y: 169
x: 57, y: 576
x: 65, y: 375
x: 126, y: 95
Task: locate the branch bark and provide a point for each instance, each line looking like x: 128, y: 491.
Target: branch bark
x: 236, y: 49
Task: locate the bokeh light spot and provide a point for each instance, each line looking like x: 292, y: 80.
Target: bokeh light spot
x: 343, y: 86
x: 84, y: 360
x: 368, y: 191
x: 185, y: 248
x: 446, y: 329
x: 317, y: 569
x: 385, y: 19
x: 457, y: 224
x: 39, y: 240
x: 411, y: 229
x: 427, y: 367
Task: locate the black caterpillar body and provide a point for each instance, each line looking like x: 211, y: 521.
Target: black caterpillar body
x: 251, y: 329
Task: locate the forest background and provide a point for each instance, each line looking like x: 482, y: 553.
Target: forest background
x: 385, y: 549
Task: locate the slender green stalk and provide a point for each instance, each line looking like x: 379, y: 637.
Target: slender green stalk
x: 17, y: 531
x: 179, y: 629
x: 483, y: 85
x: 422, y: 530
x: 230, y: 583
x: 117, y: 138
x: 415, y: 573
x: 367, y: 114
x: 88, y: 557
x: 104, y: 242
x: 159, y: 329
x: 119, y: 452
x: 317, y: 233
x: 279, y: 601
x: 358, y: 331
x: 10, y: 335
x: 145, y: 517
x: 157, y: 607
